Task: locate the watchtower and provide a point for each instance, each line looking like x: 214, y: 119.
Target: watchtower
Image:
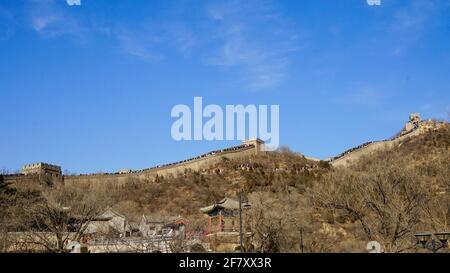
x: 258, y: 144
x: 413, y: 123
x: 42, y: 169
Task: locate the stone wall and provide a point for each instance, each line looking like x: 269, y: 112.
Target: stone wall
x: 421, y: 127
x: 43, y: 172
x: 150, y: 174
x: 31, y: 179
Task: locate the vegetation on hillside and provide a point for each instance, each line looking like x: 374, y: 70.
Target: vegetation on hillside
x: 392, y: 194
x: 297, y: 204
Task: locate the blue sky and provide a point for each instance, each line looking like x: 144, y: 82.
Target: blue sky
x: 91, y: 86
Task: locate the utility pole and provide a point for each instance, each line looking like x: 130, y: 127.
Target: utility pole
x: 301, y: 239
x: 240, y: 223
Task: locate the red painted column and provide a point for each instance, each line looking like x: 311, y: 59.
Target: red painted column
x: 220, y: 222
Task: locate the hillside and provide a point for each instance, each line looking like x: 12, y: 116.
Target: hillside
x: 386, y: 195
x: 390, y: 194
x: 413, y: 127
x: 185, y: 194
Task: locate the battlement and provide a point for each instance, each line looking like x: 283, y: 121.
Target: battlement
x: 414, y: 126
x: 42, y: 168
x: 257, y: 143
x: 248, y: 147
x: 413, y: 122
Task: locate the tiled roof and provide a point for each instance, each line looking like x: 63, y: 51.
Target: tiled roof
x: 225, y: 203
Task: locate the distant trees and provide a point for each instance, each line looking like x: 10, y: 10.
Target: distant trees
x: 267, y: 225
x: 5, y: 189
x: 284, y: 222
x: 6, y: 193
x: 392, y: 194
x: 297, y: 204
x: 57, y: 217
x: 385, y: 202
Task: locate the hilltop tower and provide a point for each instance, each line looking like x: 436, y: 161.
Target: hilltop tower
x: 413, y: 123
x: 42, y: 169
x: 258, y: 143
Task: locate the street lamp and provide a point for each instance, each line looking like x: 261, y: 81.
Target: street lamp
x: 423, y: 238
x: 427, y: 241
x: 301, y: 240
x: 443, y: 236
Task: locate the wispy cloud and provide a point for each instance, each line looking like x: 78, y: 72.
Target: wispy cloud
x: 48, y: 18
x: 42, y: 22
x: 73, y: 2
x: 51, y: 19
x: 182, y: 38
x: 139, y: 47
x: 248, y: 39
x: 252, y: 39
x: 409, y: 23
x: 362, y: 97
x: 261, y: 69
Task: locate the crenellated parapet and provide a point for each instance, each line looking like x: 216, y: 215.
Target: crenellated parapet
x: 42, y: 168
x: 413, y: 127
x: 248, y: 147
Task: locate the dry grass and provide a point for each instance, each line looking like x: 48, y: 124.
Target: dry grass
x: 292, y: 194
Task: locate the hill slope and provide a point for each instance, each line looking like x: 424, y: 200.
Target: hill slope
x: 352, y: 155
x: 386, y: 195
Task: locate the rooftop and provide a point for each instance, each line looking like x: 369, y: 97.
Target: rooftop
x: 225, y: 203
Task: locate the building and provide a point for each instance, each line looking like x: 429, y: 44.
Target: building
x: 162, y: 226
x: 223, y: 231
x: 413, y: 123
x: 42, y: 169
x: 124, y: 171
x: 109, y: 223
x: 257, y: 143
x: 223, y: 216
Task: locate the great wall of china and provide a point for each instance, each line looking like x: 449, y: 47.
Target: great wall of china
x: 415, y: 126
x: 43, y: 171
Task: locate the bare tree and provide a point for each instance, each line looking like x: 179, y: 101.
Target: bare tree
x: 5, y: 201
x: 61, y: 216
x: 385, y: 202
